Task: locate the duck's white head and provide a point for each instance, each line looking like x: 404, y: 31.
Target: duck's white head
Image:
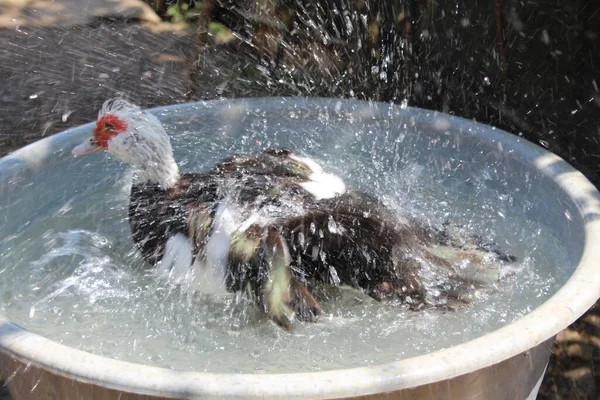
x: 137, y: 138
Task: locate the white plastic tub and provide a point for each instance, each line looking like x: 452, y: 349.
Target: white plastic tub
x: 507, y: 363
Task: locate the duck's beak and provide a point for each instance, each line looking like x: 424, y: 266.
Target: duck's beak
x: 87, y: 147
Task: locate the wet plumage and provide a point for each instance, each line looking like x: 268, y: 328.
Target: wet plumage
x: 275, y: 225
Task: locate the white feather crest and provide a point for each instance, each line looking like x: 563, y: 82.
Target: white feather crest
x: 114, y: 105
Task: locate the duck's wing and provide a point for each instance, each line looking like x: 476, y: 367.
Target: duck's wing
x: 355, y: 240
x: 347, y: 240
x: 274, y: 162
x: 283, y: 163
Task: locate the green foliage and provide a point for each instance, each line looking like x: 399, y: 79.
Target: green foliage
x: 219, y: 32
x: 187, y: 12
x: 183, y: 12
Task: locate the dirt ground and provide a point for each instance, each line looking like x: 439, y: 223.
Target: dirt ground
x: 56, y: 71
x: 571, y: 373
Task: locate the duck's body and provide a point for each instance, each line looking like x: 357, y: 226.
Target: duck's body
x: 249, y: 204
x: 272, y: 224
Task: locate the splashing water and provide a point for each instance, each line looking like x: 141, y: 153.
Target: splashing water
x: 70, y: 271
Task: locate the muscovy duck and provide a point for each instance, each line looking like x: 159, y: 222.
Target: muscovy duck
x: 273, y: 225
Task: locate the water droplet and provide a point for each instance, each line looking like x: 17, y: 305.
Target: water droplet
x: 335, y: 279
x: 66, y: 115
x: 301, y: 239
x: 332, y: 225
x: 545, y: 37
x: 315, y: 253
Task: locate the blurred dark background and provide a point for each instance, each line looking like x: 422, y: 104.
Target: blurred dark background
x: 530, y: 67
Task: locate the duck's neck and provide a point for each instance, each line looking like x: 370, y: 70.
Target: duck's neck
x: 163, y: 173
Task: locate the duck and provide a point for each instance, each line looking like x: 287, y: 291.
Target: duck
x: 275, y: 225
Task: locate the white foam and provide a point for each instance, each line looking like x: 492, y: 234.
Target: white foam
x: 322, y: 185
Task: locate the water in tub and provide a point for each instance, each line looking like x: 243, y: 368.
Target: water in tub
x: 70, y: 271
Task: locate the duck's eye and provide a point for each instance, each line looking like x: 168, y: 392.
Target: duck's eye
x: 109, y: 126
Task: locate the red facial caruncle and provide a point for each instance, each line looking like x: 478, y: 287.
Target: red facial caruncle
x: 107, y: 127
